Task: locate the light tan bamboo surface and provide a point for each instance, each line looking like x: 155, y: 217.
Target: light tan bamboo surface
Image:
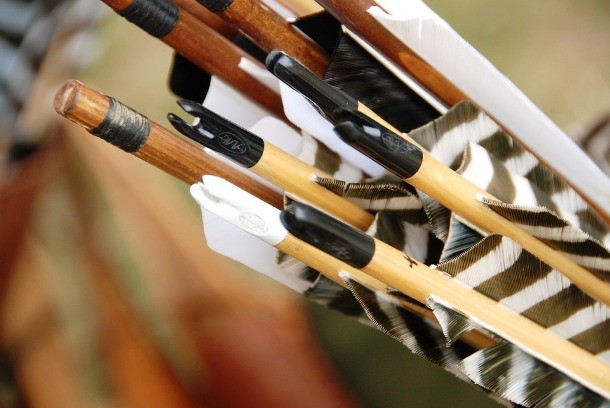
x: 183, y: 276
x: 330, y: 267
x: 296, y: 178
x: 461, y: 196
x: 421, y: 282
x: 301, y: 8
x: 176, y: 156
x: 163, y: 149
x: 270, y: 31
x: 353, y: 14
x: 216, y: 55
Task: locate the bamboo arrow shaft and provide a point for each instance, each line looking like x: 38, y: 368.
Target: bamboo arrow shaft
x: 461, y: 196
x: 330, y: 267
x: 296, y: 177
x: 163, y: 149
x: 420, y: 282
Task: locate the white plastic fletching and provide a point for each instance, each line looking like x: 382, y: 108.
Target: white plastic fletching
x: 240, y: 208
x: 261, y: 74
x: 300, y: 112
x: 243, y: 235
x: 231, y: 104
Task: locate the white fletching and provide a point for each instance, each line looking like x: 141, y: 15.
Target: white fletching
x: 300, y: 112
x: 241, y: 209
x: 247, y: 244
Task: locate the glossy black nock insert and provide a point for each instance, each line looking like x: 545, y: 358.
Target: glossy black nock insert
x: 219, y: 134
x: 324, y: 97
x: 215, y: 6
x: 329, y: 235
x: 377, y: 142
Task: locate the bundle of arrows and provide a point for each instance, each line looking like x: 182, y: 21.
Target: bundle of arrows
x: 394, y: 166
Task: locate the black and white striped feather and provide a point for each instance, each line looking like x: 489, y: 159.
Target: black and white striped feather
x: 493, y: 265
x: 506, y: 167
x: 503, y: 271
x: 526, y: 381
x: 468, y: 141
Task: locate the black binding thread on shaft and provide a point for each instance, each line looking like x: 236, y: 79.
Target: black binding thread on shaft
x: 157, y: 17
x: 216, y: 6
x: 123, y: 127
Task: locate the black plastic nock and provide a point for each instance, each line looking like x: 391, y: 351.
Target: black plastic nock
x: 219, y: 134
x: 377, y: 142
x: 324, y: 97
x: 329, y: 235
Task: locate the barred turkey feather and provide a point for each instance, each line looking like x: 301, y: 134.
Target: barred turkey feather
x: 500, y: 269
x: 447, y: 139
x: 520, y: 378
x: 460, y: 238
x: 351, y: 69
x: 493, y: 265
x: 431, y: 38
x: 559, y: 234
x: 453, y: 325
x: 419, y: 335
x: 336, y: 297
x: 470, y: 142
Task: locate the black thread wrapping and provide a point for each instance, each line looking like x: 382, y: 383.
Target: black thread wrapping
x: 216, y: 6
x: 123, y: 127
x: 157, y: 17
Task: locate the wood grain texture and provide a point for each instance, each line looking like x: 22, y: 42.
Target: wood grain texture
x: 353, y: 14
x: 296, y: 178
x: 216, y: 55
x: 163, y: 149
x: 301, y: 8
x: 206, y: 17
x: 271, y: 32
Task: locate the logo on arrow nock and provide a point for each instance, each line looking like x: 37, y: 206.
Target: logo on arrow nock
x: 395, y: 143
x: 232, y: 143
x: 253, y: 223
